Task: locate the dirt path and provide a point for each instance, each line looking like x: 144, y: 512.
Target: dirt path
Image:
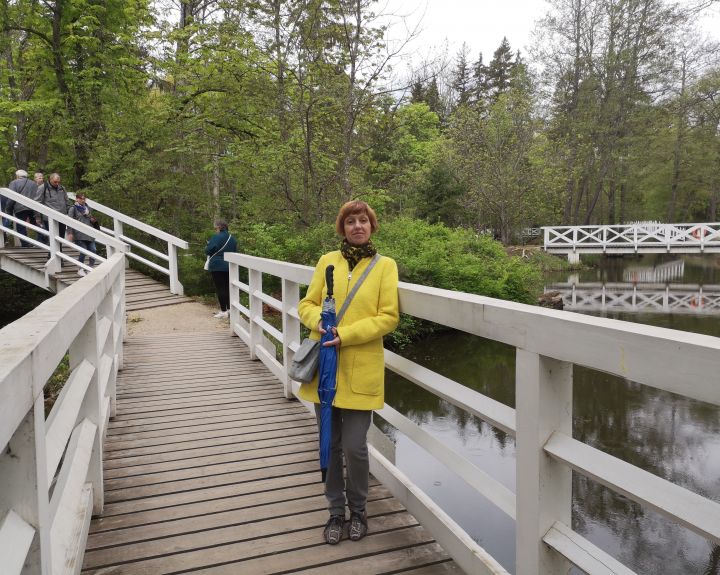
x: 184, y: 317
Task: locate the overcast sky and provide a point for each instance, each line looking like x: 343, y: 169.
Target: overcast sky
x: 479, y: 23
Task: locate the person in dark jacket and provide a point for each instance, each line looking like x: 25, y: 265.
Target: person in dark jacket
x: 221, y: 243
x: 25, y: 187
x: 52, y: 195
x: 81, y: 212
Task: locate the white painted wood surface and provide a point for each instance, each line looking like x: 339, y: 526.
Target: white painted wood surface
x: 82, y: 320
x: 643, y: 237
x: 15, y: 539
x: 590, y: 558
x: 679, y: 362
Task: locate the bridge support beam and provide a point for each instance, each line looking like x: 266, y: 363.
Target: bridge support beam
x: 573, y: 258
x: 544, y: 485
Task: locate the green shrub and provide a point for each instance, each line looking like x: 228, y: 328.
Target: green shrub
x: 427, y: 254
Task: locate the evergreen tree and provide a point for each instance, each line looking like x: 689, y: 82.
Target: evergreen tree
x: 417, y: 92
x: 432, y: 97
x: 462, y: 77
x: 481, y: 87
x: 500, y: 70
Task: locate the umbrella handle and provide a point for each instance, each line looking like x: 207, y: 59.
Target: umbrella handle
x: 329, y: 281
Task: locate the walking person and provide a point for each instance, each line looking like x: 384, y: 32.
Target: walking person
x: 28, y: 188
x: 53, y: 195
x: 221, y: 243
x: 372, y: 313
x: 80, y: 211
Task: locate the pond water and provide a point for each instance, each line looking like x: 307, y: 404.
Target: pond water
x: 668, y: 435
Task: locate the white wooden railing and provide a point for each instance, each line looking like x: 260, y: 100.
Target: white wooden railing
x: 54, y: 240
x: 682, y: 363
x: 121, y: 222
x: 51, y: 474
x: 110, y: 237
x: 644, y: 237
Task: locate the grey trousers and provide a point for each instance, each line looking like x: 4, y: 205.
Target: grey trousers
x: 349, y: 438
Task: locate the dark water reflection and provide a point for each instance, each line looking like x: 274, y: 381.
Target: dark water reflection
x: 668, y: 435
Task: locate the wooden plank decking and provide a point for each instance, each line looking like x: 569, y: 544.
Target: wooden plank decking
x: 209, y: 469
x: 141, y: 291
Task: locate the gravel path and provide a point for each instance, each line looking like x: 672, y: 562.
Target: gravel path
x: 184, y: 317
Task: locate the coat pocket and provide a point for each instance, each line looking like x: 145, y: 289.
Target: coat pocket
x: 368, y: 373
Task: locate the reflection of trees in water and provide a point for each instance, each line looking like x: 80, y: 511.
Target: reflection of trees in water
x: 645, y: 541
x: 426, y: 409
x: 485, y: 366
x: 657, y: 431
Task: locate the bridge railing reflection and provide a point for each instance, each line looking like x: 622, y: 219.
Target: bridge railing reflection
x: 642, y: 298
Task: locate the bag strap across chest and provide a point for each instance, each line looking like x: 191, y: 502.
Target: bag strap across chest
x: 357, y: 285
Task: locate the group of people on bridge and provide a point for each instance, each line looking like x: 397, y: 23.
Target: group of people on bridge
x: 51, y: 194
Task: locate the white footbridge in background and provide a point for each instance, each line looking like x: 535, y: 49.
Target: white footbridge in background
x: 641, y: 238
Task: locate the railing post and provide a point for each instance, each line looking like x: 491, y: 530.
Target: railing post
x: 54, y: 264
x: 290, y: 328
x: 119, y: 318
x: 255, y: 306
x: 23, y: 468
x: 175, y: 285
x: 118, y: 230
x: 544, y: 486
x: 234, y: 296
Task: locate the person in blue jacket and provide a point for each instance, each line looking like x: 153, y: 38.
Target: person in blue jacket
x: 221, y: 243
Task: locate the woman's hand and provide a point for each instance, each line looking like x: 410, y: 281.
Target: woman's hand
x: 336, y: 341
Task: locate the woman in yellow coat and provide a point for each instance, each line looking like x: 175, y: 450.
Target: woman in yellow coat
x: 372, y: 313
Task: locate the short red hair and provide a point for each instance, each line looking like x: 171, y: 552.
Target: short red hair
x: 351, y: 208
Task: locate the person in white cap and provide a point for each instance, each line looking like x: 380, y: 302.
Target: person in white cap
x: 25, y: 187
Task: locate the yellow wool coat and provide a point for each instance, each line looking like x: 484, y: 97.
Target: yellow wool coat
x: 372, y: 313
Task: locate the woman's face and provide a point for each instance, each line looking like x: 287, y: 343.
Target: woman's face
x: 357, y: 228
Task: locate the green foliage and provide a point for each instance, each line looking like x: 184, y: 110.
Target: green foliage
x: 456, y: 259
x: 428, y: 254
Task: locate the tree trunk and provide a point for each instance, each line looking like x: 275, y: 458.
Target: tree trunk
x: 679, y: 139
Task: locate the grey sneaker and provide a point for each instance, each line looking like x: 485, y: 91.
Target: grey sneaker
x: 358, y: 525
x: 333, y: 531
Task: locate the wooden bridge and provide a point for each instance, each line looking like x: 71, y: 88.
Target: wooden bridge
x: 638, y: 238
x: 193, y: 455
x: 209, y: 468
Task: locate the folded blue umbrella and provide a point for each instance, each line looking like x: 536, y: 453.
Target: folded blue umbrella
x: 327, y: 373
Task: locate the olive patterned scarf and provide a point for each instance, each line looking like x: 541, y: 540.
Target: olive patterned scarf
x: 353, y: 254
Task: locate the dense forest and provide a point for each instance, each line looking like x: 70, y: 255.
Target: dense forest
x: 275, y: 111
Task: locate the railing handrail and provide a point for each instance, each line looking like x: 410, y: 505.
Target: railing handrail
x: 631, y: 226
x: 51, y: 467
x: 102, y: 237
x: 142, y: 226
x: 679, y: 362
